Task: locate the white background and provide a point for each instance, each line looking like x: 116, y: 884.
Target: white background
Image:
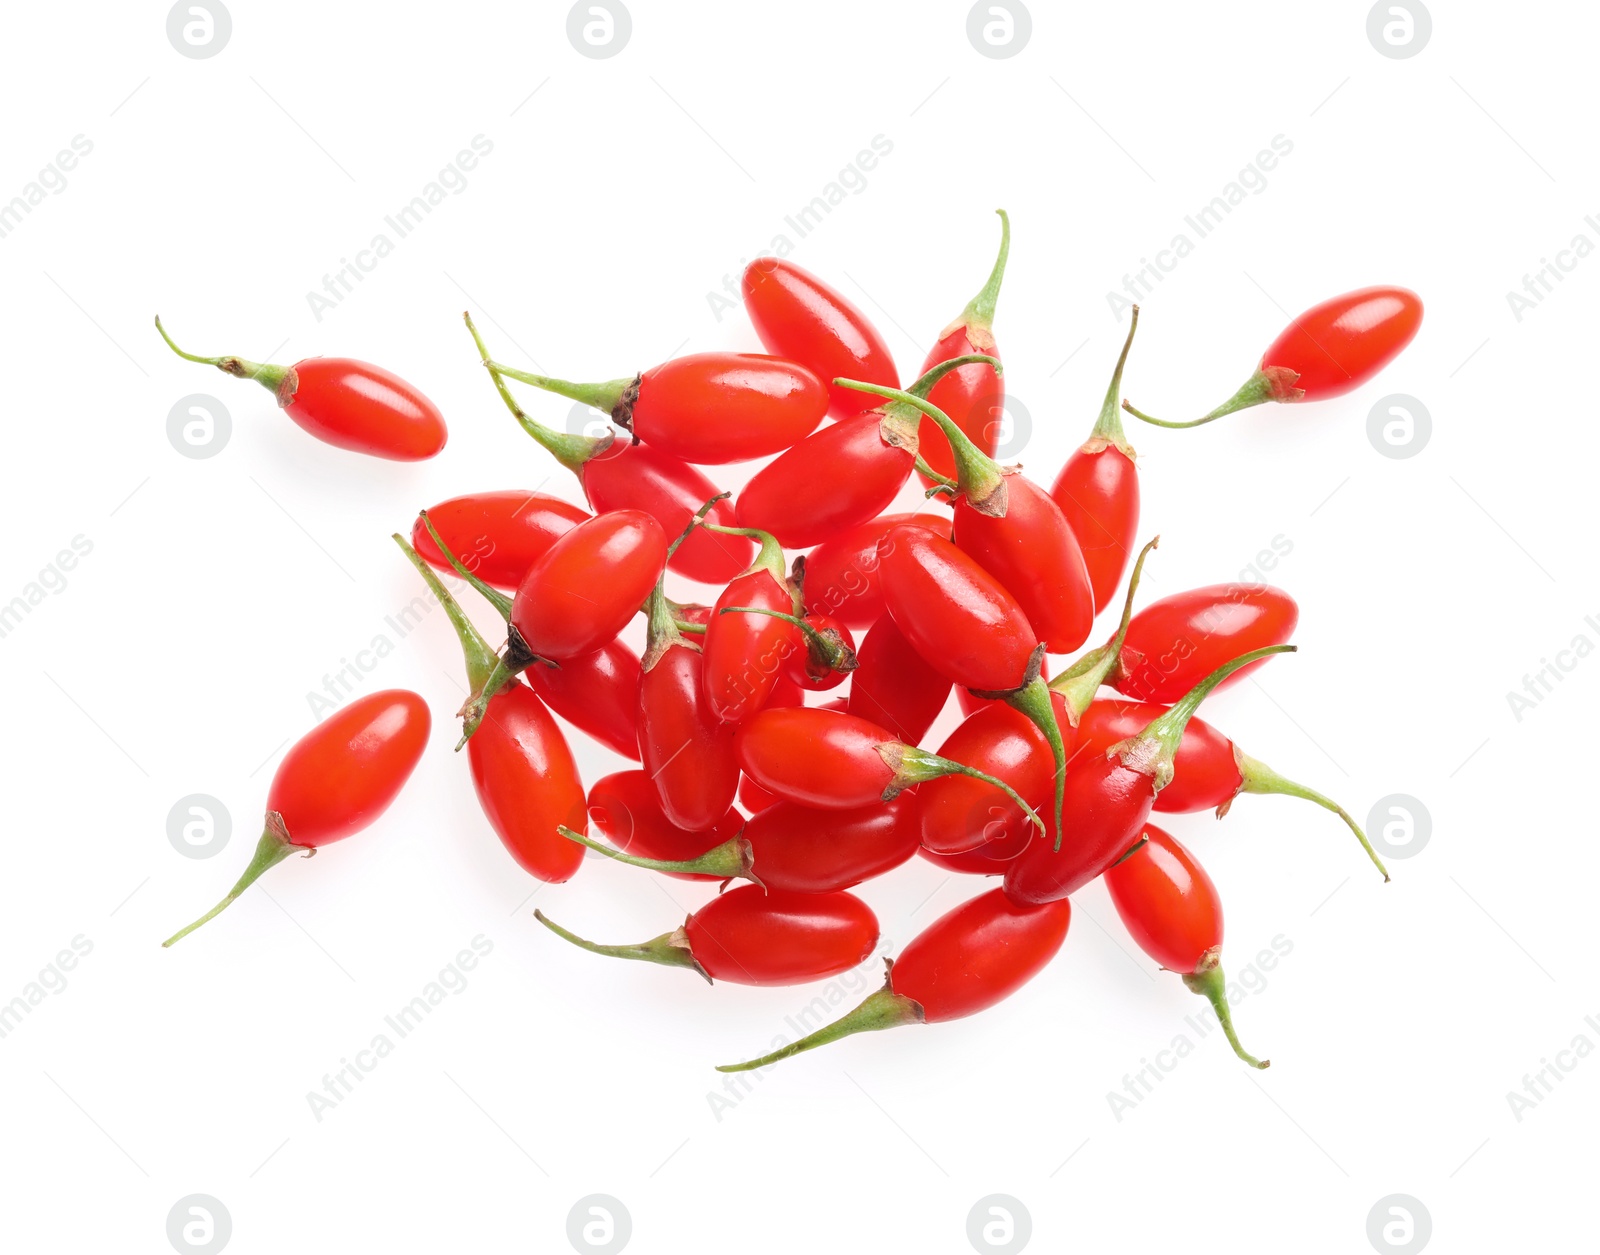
x: 179, y: 655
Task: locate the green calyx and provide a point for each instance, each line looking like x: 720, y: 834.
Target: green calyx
x: 480, y: 656
x: 912, y: 765
x: 1108, y: 431
x: 1079, y: 683
x: 1269, y: 383
x: 900, y: 422
x: 571, y: 450
x: 1152, y: 751
x: 879, y: 1010
x: 769, y: 556
x: 1257, y: 777
x: 732, y: 860
x: 614, y: 397
x: 981, y: 479
x: 1207, y: 981
x: 272, y: 849
x: 669, y: 949
x: 282, y: 381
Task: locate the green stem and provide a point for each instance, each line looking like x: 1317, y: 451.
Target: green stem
x: 980, y: 477
x: 281, y: 381
x: 733, y: 859
x: 1269, y: 383
x: 881, y: 1009
x: 1153, y: 750
x: 1108, y: 428
x: 941, y: 483
x: 604, y: 396
x: 493, y: 596
x: 913, y: 765
x: 1034, y: 700
x: 1079, y: 683
x: 661, y: 631
x: 1257, y: 777
x: 1207, y: 981
x: 769, y: 557
x: 980, y: 309
x: 669, y: 949
x: 512, y: 662
x: 699, y: 519
x: 571, y: 450
x: 480, y: 655
x: 826, y: 650
x: 901, y: 423
x: 271, y: 850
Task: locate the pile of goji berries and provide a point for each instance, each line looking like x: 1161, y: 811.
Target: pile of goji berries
x: 746, y: 771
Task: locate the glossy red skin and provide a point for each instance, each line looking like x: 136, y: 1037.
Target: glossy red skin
x: 625, y: 808
x: 527, y: 783
x: 1205, y: 772
x: 802, y: 850
x: 496, y: 535
x: 959, y: 813
x: 345, y: 772
x: 955, y: 614
x: 710, y: 408
x: 800, y: 317
x: 1034, y: 555
x: 1167, y: 902
x: 978, y: 954
x: 1106, y: 806
x: 821, y: 758
x: 843, y: 576
x: 754, y: 798
x: 745, y: 653
x: 973, y: 396
x: 640, y: 477
x: 893, y: 686
x: 971, y: 703
x: 597, y: 693
x: 807, y: 673
x: 684, y: 748
x: 589, y: 584
x: 356, y: 405
x: 972, y: 863
x: 1098, y: 493
x: 749, y: 936
x: 1343, y: 342
x: 1174, y: 643
x: 786, y: 693
x: 834, y: 479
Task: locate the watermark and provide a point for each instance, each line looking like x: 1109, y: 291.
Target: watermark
x: 199, y: 826
x: 50, y: 582
x: 850, y: 181
x: 339, y: 1084
x: 599, y: 28
x: 52, y: 979
x: 199, y: 1225
x: 353, y: 672
x: 1140, y: 1085
x: 450, y: 181
x: 199, y: 426
x: 599, y: 1225
x: 1252, y: 180
x: 1399, y: 28
x: 1399, y: 826
x: 1399, y: 426
x: 50, y: 181
x: 1551, y: 674
x: 1399, y: 1223
x: 1552, y: 272
x: 831, y: 1001
x: 999, y: 1222
x: 999, y: 28
x: 1537, y: 1086
x: 199, y: 28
